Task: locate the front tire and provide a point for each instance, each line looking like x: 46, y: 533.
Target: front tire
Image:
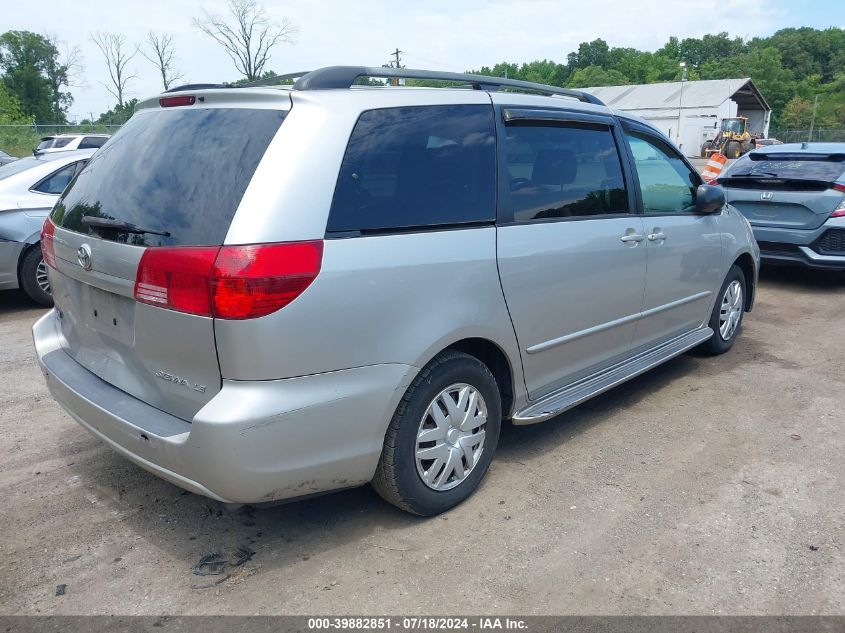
x: 732, y: 149
x: 33, y: 277
x: 442, y: 437
x: 726, y: 318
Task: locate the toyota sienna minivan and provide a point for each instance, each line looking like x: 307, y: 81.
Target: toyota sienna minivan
x: 270, y: 292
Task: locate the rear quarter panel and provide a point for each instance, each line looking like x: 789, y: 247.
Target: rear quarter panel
x: 385, y: 299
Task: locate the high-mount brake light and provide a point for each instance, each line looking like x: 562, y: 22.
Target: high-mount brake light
x: 181, y: 100
x: 48, y: 246
x: 227, y: 282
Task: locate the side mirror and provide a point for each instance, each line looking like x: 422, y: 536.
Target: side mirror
x: 709, y: 199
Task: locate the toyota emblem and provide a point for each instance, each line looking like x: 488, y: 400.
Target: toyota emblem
x: 83, y: 256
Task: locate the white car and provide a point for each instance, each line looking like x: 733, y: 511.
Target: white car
x: 29, y: 187
x: 67, y: 142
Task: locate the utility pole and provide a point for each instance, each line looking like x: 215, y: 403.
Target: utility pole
x: 396, y: 81
x: 683, y: 66
x: 813, y: 120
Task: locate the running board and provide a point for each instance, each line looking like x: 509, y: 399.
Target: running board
x: 567, y: 397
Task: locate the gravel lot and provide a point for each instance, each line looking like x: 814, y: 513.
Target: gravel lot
x: 709, y: 485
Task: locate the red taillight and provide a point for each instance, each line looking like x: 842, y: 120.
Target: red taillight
x: 227, y: 282
x: 251, y: 281
x: 177, y: 278
x: 48, y: 246
x: 840, y: 210
x: 182, y: 100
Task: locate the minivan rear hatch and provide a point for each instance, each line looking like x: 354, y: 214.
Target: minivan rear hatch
x: 172, y: 177
x: 786, y: 190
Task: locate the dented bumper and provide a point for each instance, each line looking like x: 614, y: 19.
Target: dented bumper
x: 254, y: 442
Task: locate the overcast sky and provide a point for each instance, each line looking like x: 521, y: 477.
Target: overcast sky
x: 436, y: 34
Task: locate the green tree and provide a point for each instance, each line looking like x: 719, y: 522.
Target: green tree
x: 119, y: 114
x: 24, y: 61
x: 589, y: 54
x: 10, y: 109
x: 797, y: 114
x: 596, y: 76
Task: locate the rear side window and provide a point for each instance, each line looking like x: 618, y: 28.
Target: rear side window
x: 182, y: 172
x: 416, y: 167
x: 92, y: 142
x: 62, y: 142
x: 563, y: 171
x: 56, y: 182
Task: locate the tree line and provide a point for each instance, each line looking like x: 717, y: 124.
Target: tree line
x: 791, y: 68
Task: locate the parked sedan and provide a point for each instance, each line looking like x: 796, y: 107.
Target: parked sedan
x: 28, y: 189
x: 794, y: 197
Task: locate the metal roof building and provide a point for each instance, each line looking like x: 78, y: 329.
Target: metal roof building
x: 690, y: 112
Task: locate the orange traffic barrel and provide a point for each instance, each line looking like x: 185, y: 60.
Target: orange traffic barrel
x: 714, y: 167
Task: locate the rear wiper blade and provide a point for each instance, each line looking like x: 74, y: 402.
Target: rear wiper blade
x: 759, y: 174
x: 120, y: 225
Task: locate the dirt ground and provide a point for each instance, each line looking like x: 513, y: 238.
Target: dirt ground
x: 707, y: 486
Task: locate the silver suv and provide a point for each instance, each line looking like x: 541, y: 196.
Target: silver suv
x: 271, y: 292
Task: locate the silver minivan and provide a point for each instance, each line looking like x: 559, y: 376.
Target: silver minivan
x: 270, y: 292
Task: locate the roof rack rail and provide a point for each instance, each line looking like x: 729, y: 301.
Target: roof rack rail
x: 339, y: 77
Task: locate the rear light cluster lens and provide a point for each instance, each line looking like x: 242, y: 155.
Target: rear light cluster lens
x: 840, y: 210
x: 48, y: 246
x: 227, y: 282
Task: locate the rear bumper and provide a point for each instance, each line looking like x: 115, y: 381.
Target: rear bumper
x: 254, y: 441
x: 801, y: 248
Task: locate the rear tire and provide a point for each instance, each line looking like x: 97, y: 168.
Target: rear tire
x: 704, y: 147
x: 437, y: 451
x: 33, y: 277
x: 726, y: 318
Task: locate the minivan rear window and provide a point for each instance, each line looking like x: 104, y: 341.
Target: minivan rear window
x: 419, y: 166
x: 179, y: 174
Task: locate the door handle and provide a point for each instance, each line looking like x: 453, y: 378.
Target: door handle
x: 632, y: 237
x: 654, y: 237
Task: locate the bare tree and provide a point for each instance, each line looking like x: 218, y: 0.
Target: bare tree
x: 246, y: 34
x: 162, y: 56
x: 63, y: 71
x: 114, y: 49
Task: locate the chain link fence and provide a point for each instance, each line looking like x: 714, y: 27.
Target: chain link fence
x: 823, y: 135
x: 20, y: 140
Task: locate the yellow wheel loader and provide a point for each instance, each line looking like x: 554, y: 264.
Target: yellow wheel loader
x: 733, y: 139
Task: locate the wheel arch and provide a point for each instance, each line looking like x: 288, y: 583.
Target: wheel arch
x: 496, y: 361
x: 27, y: 248
x: 746, y: 264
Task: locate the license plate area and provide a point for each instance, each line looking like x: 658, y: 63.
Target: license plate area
x: 95, y: 316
